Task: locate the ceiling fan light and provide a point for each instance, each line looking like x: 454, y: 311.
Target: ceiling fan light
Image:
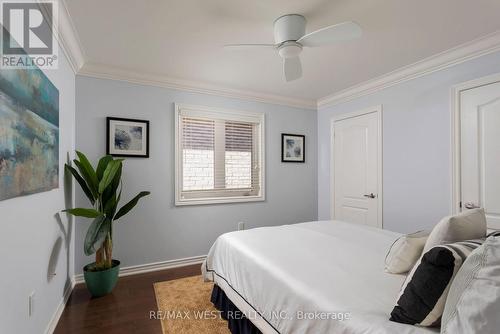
x: 289, y: 50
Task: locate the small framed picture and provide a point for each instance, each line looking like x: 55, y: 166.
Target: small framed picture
x: 293, y: 148
x: 127, y: 137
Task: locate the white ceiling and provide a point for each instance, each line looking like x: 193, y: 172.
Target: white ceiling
x: 183, y: 39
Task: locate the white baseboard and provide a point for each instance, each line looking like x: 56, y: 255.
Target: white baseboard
x: 155, y: 266
x: 51, y: 327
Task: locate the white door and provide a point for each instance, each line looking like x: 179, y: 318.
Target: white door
x: 356, y: 169
x: 480, y: 150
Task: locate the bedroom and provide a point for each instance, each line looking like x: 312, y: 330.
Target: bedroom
x: 375, y: 128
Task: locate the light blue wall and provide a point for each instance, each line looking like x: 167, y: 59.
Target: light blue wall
x: 416, y: 145
x: 417, y: 166
x: 159, y: 231
x: 34, y: 242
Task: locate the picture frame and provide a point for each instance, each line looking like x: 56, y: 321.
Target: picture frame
x: 293, y: 148
x: 127, y: 137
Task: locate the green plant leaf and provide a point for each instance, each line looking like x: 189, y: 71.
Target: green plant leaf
x: 87, y: 177
x: 117, y: 179
x: 95, y: 235
x: 82, y: 183
x: 89, y: 170
x: 130, y: 205
x: 109, y: 174
x: 101, y: 166
x: 116, y: 203
x: 83, y: 212
x: 111, y: 205
x: 110, y: 191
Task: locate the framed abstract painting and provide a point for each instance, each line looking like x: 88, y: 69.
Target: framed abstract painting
x: 126, y: 137
x: 29, y: 133
x: 293, y: 148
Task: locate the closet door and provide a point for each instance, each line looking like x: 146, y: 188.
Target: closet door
x: 480, y: 150
x: 356, y: 154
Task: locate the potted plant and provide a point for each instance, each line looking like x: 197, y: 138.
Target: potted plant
x: 103, y: 188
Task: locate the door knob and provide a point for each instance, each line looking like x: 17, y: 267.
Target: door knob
x: 470, y: 205
x: 370, y: 196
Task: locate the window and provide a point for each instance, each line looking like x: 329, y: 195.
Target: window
x: 219, y: 156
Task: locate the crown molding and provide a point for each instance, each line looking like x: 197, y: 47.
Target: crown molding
x: 114, y: 73
x: 454, y: 56
x: 68, y: 39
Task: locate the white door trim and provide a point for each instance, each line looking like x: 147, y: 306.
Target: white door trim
x: 456, y: 137
x: 375, y: 109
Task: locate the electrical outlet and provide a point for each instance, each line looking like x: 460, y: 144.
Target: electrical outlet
x: 31, y: 304
x: 241, y: 226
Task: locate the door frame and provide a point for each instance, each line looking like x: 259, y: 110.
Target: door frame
x: 371, y: 110
x: 456, y: 90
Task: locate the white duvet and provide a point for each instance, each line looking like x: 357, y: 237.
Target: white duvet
x: 329, y: 269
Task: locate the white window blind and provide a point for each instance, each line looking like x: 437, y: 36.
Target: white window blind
x: 219, y: 156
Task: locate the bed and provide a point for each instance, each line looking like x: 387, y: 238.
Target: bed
x: 315, y: 277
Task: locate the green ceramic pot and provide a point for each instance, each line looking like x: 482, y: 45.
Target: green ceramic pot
x: 101, y: 283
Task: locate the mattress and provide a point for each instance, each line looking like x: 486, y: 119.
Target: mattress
x: 316, y: 277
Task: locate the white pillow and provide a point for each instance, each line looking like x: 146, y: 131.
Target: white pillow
x: 473, y: 303
x: 470, y: 224
x: 405, y: 252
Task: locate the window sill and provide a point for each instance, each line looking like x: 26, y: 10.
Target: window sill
x: 207, y: 201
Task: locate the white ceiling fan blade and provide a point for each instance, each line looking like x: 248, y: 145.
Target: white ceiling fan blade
x: 249, y: 46
x: 332, y: 34
x: 292, y: 68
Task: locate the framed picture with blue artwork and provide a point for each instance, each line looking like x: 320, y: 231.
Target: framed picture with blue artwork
x: 29, y: 132
x: 126, y: 137
x: 293, y: 148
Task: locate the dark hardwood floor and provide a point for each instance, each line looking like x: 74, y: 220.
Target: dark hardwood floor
x: 124, y: 311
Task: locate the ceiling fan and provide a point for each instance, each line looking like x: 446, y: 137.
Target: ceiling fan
x: 290, y: 38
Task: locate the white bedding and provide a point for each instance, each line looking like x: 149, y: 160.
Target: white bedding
x: 326, y: 266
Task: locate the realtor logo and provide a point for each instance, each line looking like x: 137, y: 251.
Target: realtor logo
x: 28, y: 34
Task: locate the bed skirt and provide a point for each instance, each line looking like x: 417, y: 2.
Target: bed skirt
x: 236, y: 321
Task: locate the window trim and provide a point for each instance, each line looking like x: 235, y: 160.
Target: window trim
x: 227, y: 114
